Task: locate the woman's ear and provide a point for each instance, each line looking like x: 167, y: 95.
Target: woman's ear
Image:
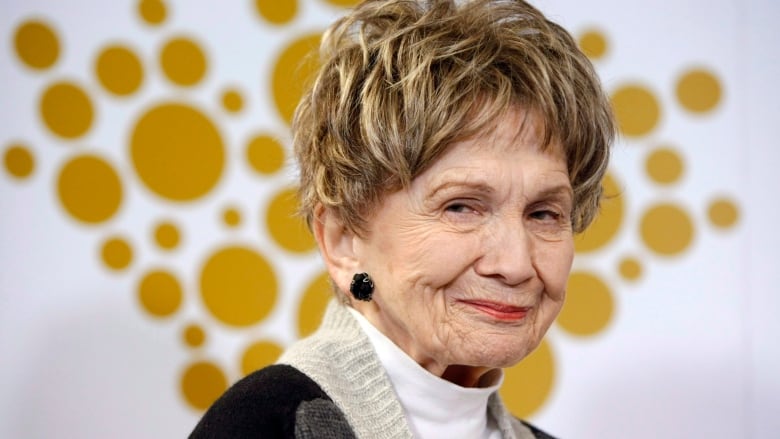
x: 337, y: 246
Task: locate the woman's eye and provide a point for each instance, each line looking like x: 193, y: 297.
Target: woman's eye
x: 459, y: 208
x: 546, y: 215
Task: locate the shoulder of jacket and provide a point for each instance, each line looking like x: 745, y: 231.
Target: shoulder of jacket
x: 264, y: 402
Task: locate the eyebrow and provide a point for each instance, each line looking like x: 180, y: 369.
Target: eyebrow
x: 476, y: 184
x: 557, y: 190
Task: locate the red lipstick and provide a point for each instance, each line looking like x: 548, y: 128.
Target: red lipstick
x: 499, y: 311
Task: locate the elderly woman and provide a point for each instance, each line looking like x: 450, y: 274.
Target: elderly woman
x: 448, y: 152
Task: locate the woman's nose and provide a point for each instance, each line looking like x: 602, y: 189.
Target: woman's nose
x: 507, y: 252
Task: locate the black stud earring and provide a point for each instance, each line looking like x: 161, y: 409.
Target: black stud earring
x: 362, y: 287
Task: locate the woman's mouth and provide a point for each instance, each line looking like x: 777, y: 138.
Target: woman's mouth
x: 499, y: 311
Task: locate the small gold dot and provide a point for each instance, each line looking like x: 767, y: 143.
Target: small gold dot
x: 160, y: 293
x: 637, y: 109
x: 594, y: 44
x: 265, y: 154
x: 699, y: 91
x: 232, y: 101
x: 664, y: 166
x: 259, y: 355
x: 153, y: 12
x: 116, y: 253
x: 201, y: 384
x: 19, y: 161
x: 231, y: 217
x: 667, y: 229
x: 194, y: 336
x: 166, y: 235
x: 723, y: 213
x: 630, y: 268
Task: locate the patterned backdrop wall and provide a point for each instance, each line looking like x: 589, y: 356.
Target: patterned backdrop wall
x: 150, y: 256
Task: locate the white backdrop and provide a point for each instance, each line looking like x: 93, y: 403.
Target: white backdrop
x: 684, y: 347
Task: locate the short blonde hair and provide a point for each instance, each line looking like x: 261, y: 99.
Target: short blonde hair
x: 402, y: 80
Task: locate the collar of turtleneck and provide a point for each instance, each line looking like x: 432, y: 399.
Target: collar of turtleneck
x: 434, y: 407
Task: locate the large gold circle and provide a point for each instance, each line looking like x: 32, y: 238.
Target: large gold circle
x: 183, y: 61
x: 277, y: 11
x: 238, y: 286
x: 637, y: 110
x: 287, y: 229
x: 666, y: 229
x: 292, y: 72
x: 66, y: 110
x: 528, y: 384
x: 177, y: 152
x: 259, y: 355
x: 589, y: 305
x: 36, y: 44
x: 160, y: 293
x: 119, y: 70
x: 698, y: 91
x: 608, y: 222
x: 202, y: 383
x: 89, y: 189
x: 314, y: 300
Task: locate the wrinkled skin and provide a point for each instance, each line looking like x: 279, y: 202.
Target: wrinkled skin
x: 471, y: 261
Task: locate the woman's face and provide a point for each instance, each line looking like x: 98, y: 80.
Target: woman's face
x: 471, y: 261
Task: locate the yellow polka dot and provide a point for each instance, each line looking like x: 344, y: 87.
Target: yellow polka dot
x: 666, y: 229
x: 287, y: 229
x: 202, y: 383
x: 116, y: 253
x: 36, y: 44
x: 630, y: 268
x: 637, y: 110
x: 231, y: 217
x: 723, y: 213
x: 265, y: 154
x: 160, y: 293
x: 698, y: 91
x: 293, y: 70
x: 152, y: 12
x: 119, y: 70
x: 607, y: 223
x: 66, y: 110
x: 594, y: 44
x: 194, y: 336
x: 19, y: 161
x: 259, y: 355
x: 238, y: 286
x: 166, y: 235
x: 89, y: 189
x: 313, y: 303
x: 183, y: 61
x: 343, y: 3
x: 177, y: 152
x: 232, y: 101
x: 277, y: 11
x: 528, y: 384
x: 664, y: 166
x: 588, y: 307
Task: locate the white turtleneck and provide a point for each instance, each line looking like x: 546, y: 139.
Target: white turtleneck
x: 434, y: 407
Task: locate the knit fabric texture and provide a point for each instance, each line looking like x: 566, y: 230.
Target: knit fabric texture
x: 340, y: 358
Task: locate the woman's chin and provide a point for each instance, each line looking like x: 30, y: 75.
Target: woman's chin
x: 497, y: 353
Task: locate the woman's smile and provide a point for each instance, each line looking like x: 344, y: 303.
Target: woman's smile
x: 500, y: 311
